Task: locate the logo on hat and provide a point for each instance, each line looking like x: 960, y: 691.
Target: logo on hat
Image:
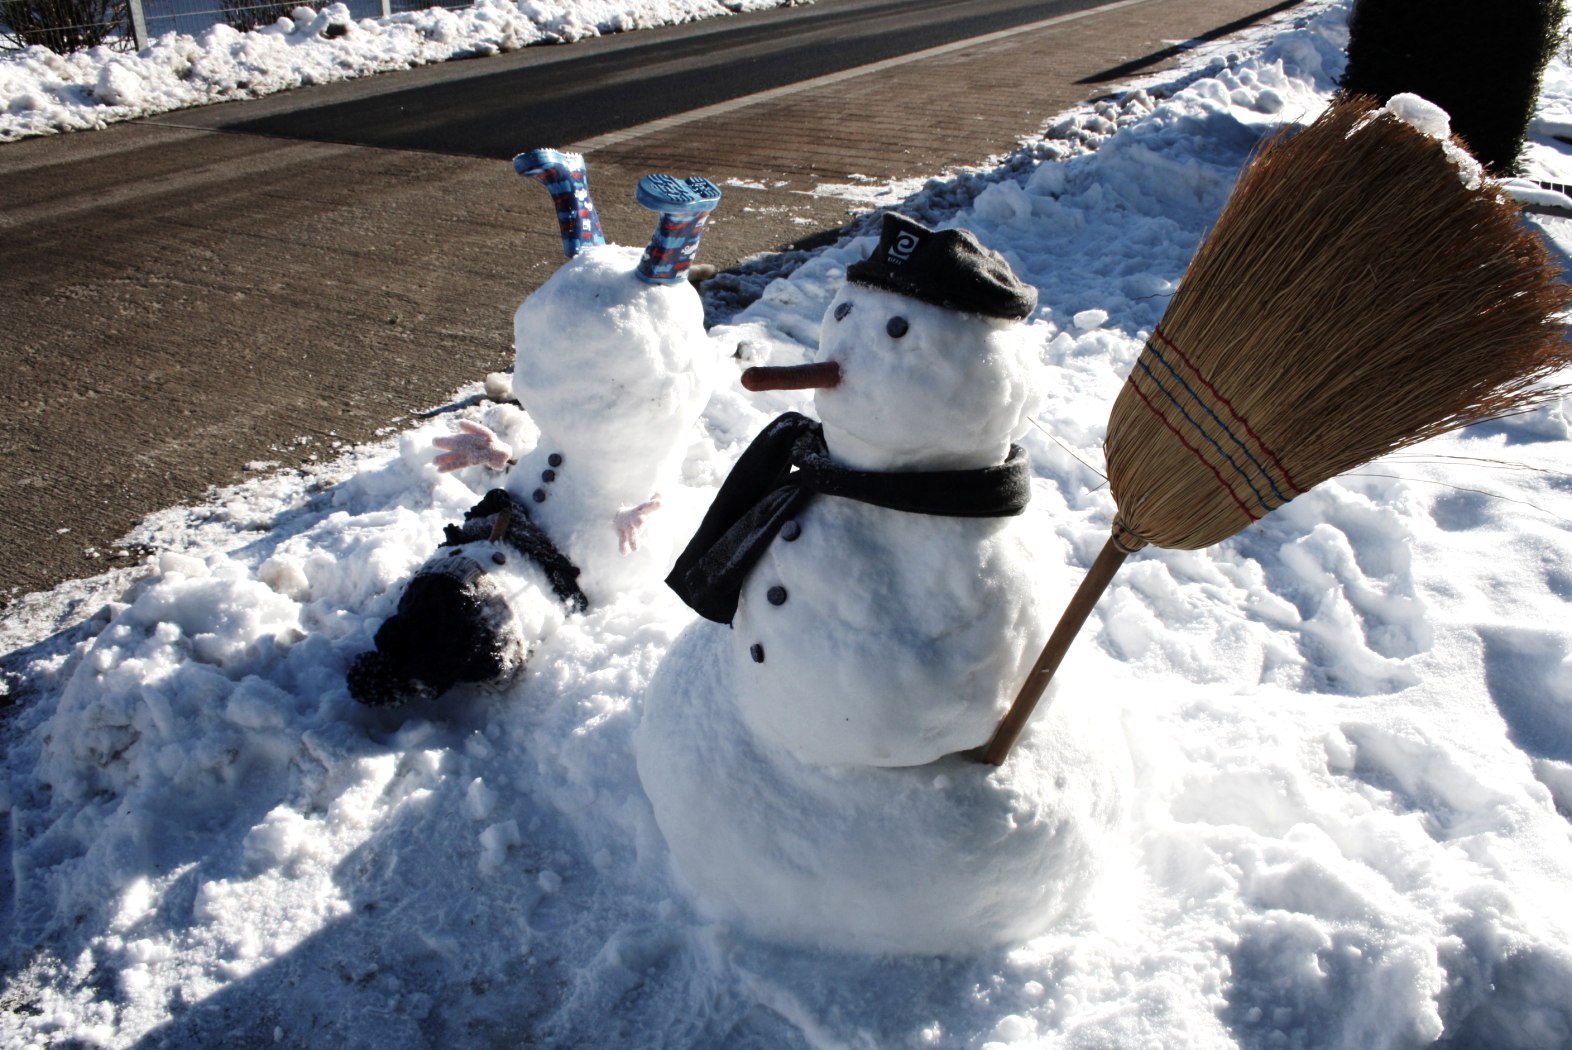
x: 901, y: 251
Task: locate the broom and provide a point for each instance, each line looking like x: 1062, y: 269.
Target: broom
x: 1354, y: 297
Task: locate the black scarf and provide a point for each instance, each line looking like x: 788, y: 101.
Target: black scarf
x: 783, y: 469
x: 522, y: 534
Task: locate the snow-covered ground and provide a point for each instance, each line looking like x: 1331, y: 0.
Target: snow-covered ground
x: 1350, y: 726
x: 42, y: 92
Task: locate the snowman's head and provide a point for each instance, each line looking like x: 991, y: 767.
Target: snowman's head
x: 935, y: 368
x: 923, y: 387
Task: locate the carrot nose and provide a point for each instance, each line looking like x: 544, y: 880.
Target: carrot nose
x: 818, y: 376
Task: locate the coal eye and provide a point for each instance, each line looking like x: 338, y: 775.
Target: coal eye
x: 897, y: 327
x: 842, y: 310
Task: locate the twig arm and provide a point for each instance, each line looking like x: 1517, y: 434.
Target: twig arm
x: 1097, y: 579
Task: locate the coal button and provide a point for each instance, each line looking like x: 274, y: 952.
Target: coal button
x: 539, y: 495
x: 776, y: 595
x: 790, y: 531
x: 555, y: 459
x: 757, y: 652
x: 498, y: 558
x: 548, y: 476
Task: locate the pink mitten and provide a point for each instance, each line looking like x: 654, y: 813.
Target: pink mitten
x: 630, y: 523
x: 476, y: 444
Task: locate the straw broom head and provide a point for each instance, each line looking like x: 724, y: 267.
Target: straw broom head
x: 1354, y: 297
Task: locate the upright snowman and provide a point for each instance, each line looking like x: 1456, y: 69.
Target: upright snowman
x: 881, y: 578
x: 613, y: 364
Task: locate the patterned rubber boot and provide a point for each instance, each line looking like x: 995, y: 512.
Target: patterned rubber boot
x: 683, y: 206
x: 565, y: 179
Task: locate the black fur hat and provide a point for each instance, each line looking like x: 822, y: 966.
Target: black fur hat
x: 452, y: 626
x: 947, y: 268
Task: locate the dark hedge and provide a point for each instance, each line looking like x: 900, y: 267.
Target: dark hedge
x: 1481, y: 62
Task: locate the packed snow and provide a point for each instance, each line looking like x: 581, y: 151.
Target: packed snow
x: 42, y: 92
x: 1330, y: 759
x: 622, y: 411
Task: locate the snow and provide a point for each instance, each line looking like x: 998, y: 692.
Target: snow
x: 944, y: 610
x: 968, y: 384
x: 1343, y: 820
x: 948, y: 857
x: 1431, y: 120
x: 882, y: 656
x: 619, y: 399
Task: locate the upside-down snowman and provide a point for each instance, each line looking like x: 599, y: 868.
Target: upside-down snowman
x: 883, y: 582
x: 613, y: 365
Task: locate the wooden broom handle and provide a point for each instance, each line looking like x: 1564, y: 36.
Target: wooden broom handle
x: 1070, y: 623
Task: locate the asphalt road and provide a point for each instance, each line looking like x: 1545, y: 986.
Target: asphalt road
x: 265, y: 282
x: 564, y: 94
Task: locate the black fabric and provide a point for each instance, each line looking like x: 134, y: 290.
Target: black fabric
x: 452, y: 623
x: 948, y: 268
x: 783, y: 469
x: 451, y: 626
x: 524, y: 536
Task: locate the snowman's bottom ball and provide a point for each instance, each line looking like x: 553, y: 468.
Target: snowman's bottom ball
x: 946, y: 858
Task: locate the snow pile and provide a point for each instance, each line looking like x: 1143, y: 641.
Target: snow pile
x: 1350, y: 729
x: 42, y: 92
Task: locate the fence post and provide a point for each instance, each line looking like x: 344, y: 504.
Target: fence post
x: 138, y: 25
x: 387, y: 8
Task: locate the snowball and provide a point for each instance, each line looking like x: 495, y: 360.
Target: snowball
x: 499, y: 386
x: 1421, y: 114
x: 611, y: 368
x: 868, y: 859
x: 1086, y: 320
x: 615, y: 371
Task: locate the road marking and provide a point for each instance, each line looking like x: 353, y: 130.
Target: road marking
x: 616, y: 138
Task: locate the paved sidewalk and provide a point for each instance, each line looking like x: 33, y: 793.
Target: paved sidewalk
x: 239, y: 298
x: 954, y: 105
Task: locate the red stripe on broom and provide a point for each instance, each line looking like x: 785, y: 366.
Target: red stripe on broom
x: 1193, y: 450
x: 1159, y: 333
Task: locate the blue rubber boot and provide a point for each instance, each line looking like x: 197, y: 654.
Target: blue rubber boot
x: 565, y: 179
x: 683, y: 206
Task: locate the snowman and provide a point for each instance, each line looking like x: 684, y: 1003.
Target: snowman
x: 613, y: 364
x: 877, y: 594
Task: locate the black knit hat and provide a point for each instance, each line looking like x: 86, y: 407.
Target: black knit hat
x: 948, y: 268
